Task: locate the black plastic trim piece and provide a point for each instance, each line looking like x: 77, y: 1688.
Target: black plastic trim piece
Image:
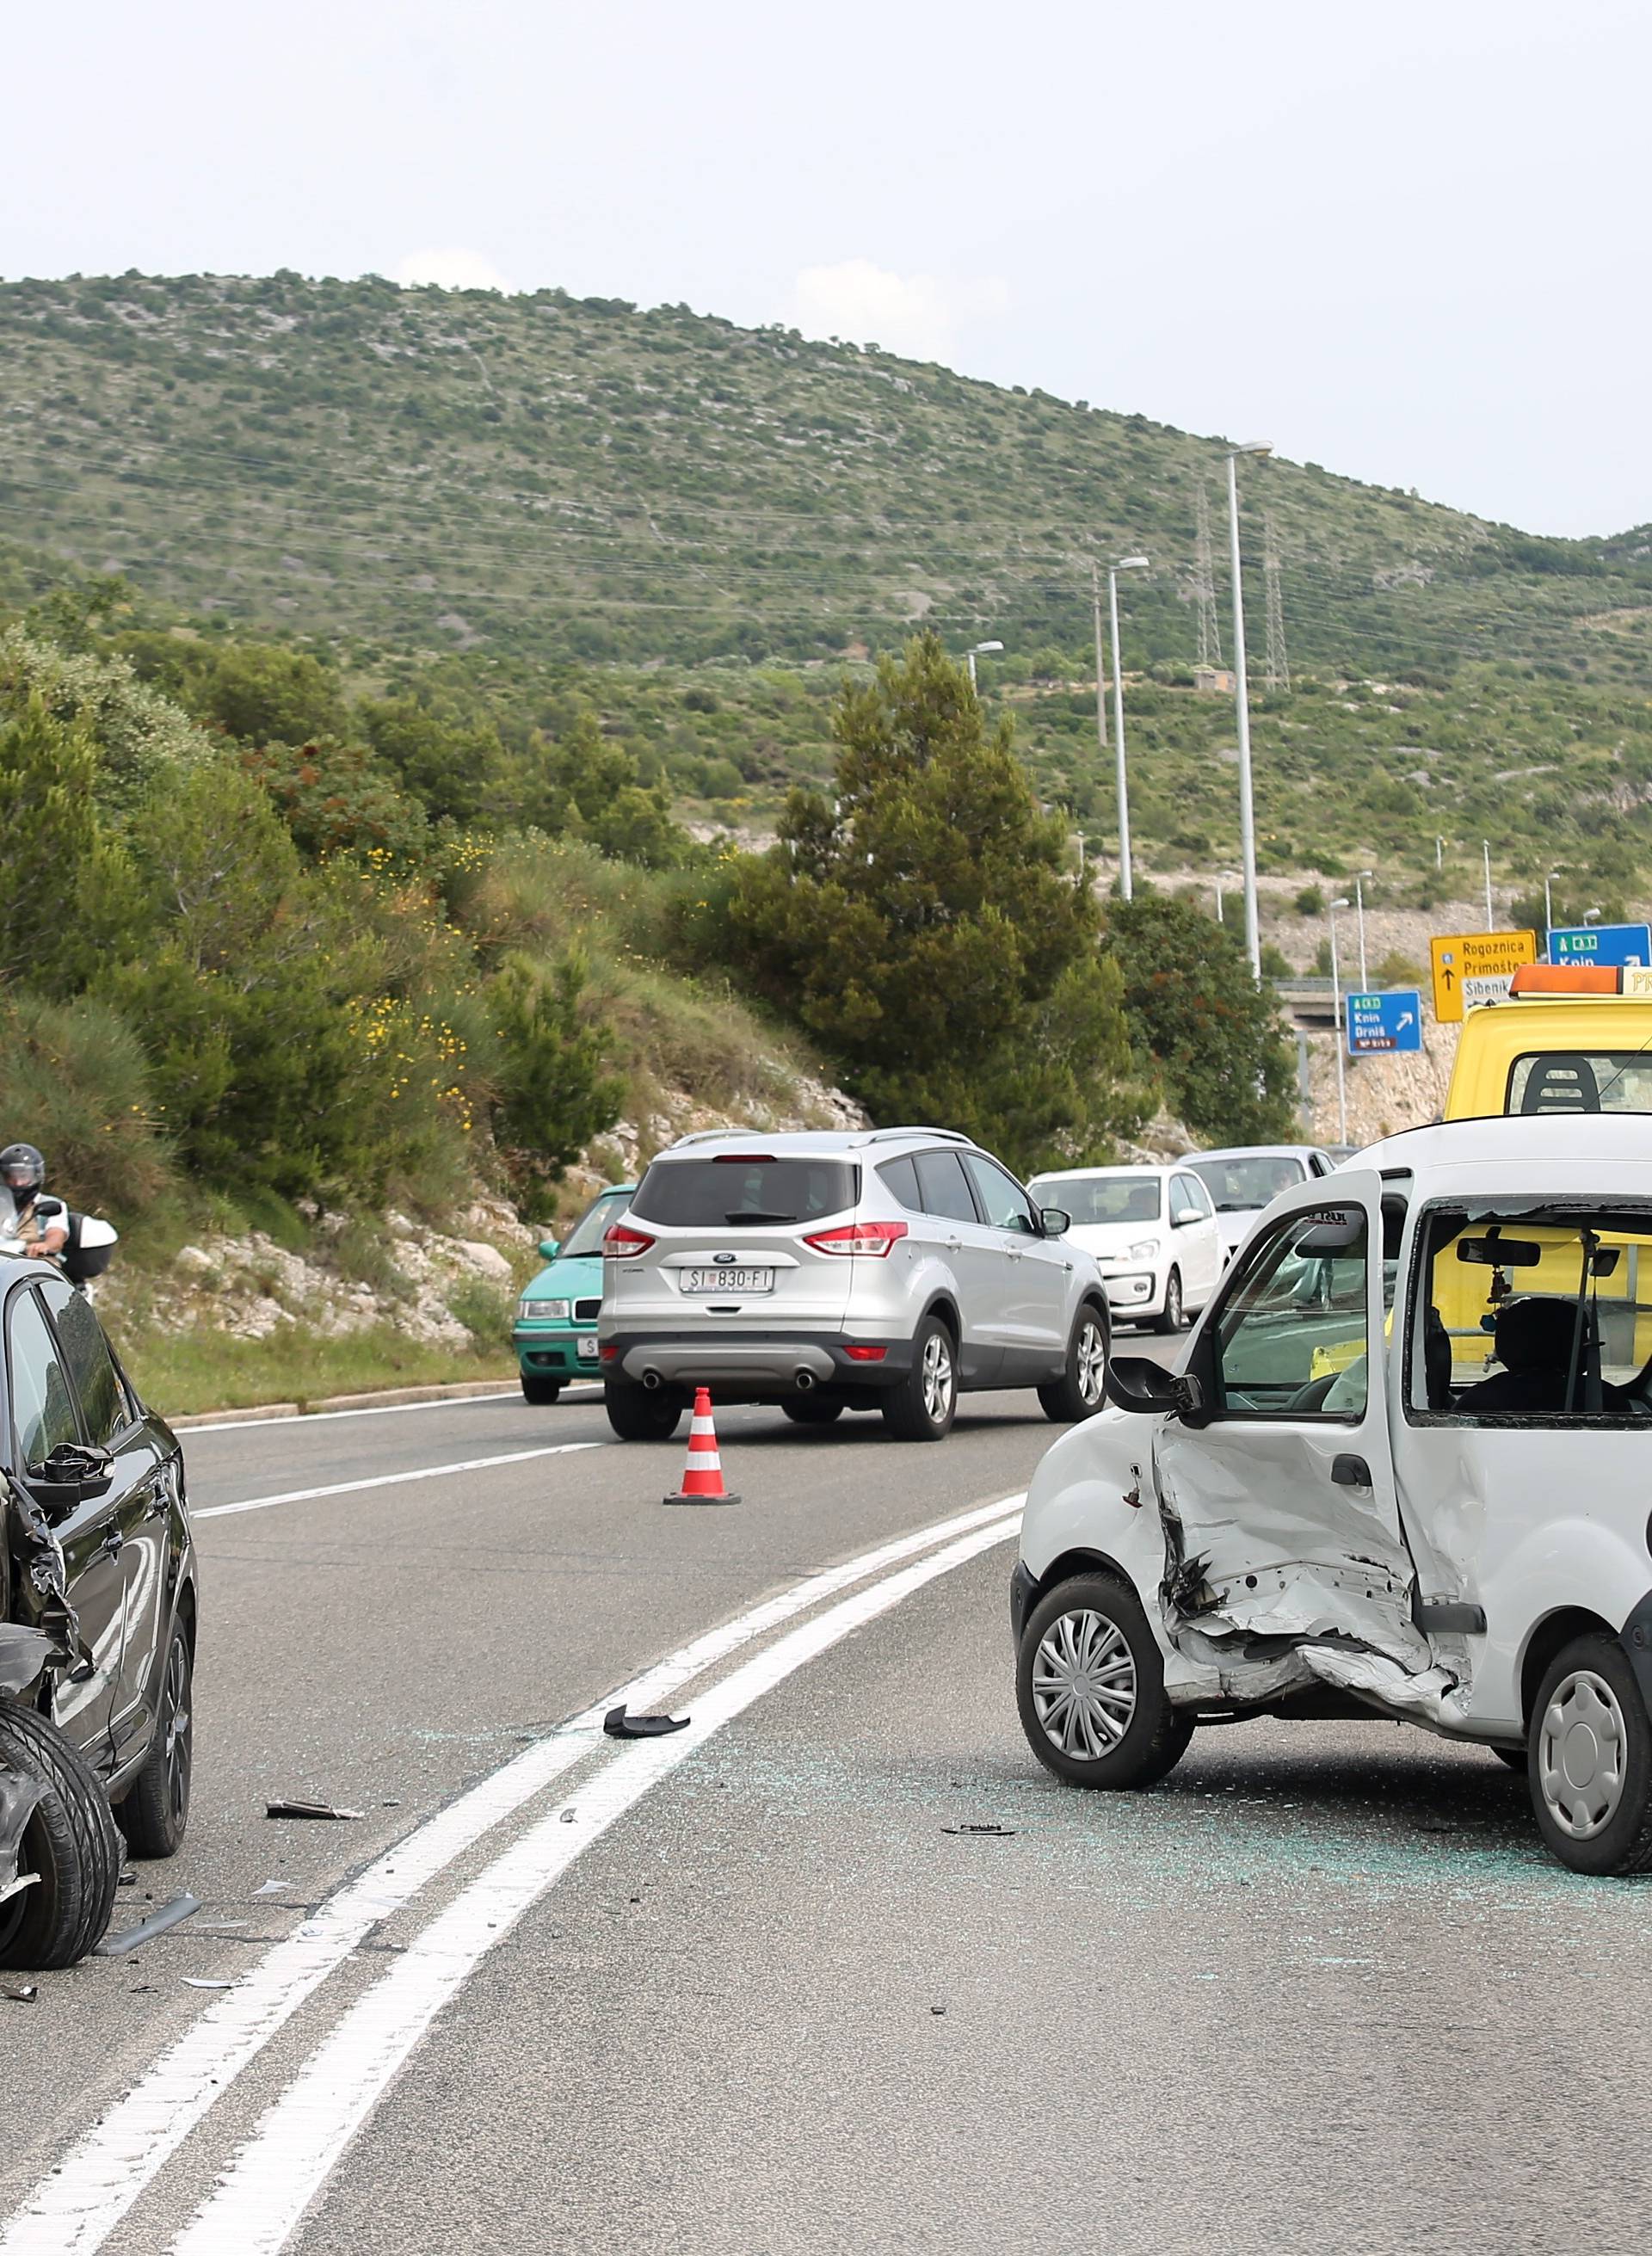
x: 1023, y: 1598
x: 1450, y: 1614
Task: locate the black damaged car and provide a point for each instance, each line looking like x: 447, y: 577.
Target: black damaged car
x: 98, y: 1624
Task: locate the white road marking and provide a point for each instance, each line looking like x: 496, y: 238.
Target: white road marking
x: 389, y: 1480
x: 74, y: 2210
x: 511, y: 1401
x: 277, y: 2173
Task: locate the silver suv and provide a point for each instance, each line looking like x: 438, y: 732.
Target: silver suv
x: 885, y: 1270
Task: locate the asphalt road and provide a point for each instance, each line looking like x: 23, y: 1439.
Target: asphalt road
x: 741, y: 1989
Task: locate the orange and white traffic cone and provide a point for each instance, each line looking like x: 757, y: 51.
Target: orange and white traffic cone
x: 702, y: 1475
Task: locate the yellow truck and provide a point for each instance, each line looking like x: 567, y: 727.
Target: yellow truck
x: 1571, y: 1040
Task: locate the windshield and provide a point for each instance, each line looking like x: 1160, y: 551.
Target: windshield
x: 1238, y: 1186
x: 1574, y: 1081
x: 744, y: 1187
x: 586, y: 1235
x: 1101, y: 1199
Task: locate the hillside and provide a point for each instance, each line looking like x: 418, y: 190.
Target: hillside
x: 556, y: 479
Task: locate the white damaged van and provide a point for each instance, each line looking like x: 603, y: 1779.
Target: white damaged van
x: 1405, y: 1468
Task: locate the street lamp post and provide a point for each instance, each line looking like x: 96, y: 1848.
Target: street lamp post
x: 1242, y: 709
x: 1336, y: 1002
x: 1548, y: 909
x: 1485, y: 854
x: 980, y: 649
x: 1124, y: 564
x: 1359, y: 907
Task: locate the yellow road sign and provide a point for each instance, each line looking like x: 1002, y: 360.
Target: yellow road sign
x: 1476, y: 967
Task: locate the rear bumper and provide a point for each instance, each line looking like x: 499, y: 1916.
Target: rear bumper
x: 750, y: 1366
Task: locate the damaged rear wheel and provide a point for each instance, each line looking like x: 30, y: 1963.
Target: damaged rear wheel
x: 1090, y: 1685
x: 69, y: 1856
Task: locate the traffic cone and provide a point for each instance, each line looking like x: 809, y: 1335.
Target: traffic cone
x: 702, y: 1475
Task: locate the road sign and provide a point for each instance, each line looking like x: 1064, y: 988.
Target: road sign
x: 1381, y: 1024
x: 1618, y: 944
x: 1476, y: 967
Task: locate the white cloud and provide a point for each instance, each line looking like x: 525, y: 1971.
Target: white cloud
x: 917, y: 314
x: 453, y: 269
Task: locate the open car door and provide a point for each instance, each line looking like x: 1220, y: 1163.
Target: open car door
x: 1285, y: 1560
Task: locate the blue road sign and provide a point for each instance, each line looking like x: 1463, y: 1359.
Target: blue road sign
x: 1380, y: 1025
x: 1613, y: 944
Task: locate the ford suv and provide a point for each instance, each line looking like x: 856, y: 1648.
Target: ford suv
x: 887, y: 1270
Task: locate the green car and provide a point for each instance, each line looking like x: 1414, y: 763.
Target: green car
x: 554, y: 1334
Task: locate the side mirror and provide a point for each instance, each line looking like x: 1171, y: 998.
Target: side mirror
x: 1136, y: 1382
x: 73, y: 1472
x: 1055, y: 1222
x: 550, y: 1247
x: 1184, y: 1216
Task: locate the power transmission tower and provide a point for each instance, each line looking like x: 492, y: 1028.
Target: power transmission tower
x: 1278, y: 663
x: 1205, y: 580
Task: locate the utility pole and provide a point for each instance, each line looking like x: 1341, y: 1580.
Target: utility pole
x: 1204, y: 579
x: 1341, y: 902
x: 1242, y: 717
x: 1485, y: 851
x: 1101, y: 671
x: 1278, y: 663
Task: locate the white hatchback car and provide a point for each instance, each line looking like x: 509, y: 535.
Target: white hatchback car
x: 1403, y: 1472
x: 1154, y: 1232
x: 1242, y: 1181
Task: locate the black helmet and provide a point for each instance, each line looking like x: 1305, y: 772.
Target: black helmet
x: 22, y: 1170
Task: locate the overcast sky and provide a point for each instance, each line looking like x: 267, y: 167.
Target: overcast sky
x: 1406, y: 240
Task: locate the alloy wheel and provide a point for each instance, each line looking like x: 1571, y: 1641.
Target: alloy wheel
x: 180, y: 1737
x: 936, y: 1370
x: 1091, y: 1360
x: 1173, y: 1302
x: 1582, y: 1747
x: 1084, y: 1684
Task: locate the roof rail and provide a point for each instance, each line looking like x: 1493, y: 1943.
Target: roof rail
x: 942, y: 1135
x: 703, y: 1136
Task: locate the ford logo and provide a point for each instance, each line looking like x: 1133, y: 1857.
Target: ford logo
x: 725, y: 1260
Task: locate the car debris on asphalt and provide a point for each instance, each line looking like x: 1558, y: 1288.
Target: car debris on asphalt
x: 983, y: 1832
x: 296, y: 1808
x: 170, y: 1914
x: 618, y: 1725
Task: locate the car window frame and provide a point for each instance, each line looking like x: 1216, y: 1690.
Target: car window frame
x: 28, y: 1288
x: 885, y: 1168
x: 1209, y: 1343
x: 971, y: 1159
x: 1412, y: 1369
x: 949, y: 1151
x: 123, y: 1432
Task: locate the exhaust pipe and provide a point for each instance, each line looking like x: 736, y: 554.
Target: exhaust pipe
x: 650, y: 1379
x: 804, y: 1380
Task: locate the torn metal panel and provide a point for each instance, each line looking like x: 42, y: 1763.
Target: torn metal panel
x: 23, y: 1653
x: 1431, y: 1694
x: 19, y: 1798
x: 35, y: 1546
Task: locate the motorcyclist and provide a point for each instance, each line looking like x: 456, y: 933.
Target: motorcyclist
x: 27, y: 1212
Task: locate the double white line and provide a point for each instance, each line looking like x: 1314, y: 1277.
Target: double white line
x: 277, y: 2172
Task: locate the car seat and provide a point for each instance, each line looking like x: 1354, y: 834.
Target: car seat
x: 1561, y: 1084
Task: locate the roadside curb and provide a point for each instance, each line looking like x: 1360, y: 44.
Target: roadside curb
x: 386, y: 1397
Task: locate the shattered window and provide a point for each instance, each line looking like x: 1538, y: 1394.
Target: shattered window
x: 1534, y: 1310
x: 42, y: 1407
x: 1290, y: 1339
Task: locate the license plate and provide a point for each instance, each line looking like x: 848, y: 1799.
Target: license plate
x: 586, y: 1345
x: 727, y: 1280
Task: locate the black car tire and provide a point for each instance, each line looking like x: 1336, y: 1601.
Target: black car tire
x: 539, y: 1390
x: 810, y: 1410
x: 1623, y: 1843
x: 1175, y: 1315
x: 1107, y: 1613
x: 641, y: 1413
x: 922, y: 1404
x: 154, y: 1815
x: 70, y: 1841
x: 1064, y: 1398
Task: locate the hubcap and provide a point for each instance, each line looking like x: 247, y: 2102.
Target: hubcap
x: 1172, y: 1301
x: 1084, y: 1684
x: 1092, y: 1361
x: 937, y: 1376
x: 1581, y: 1751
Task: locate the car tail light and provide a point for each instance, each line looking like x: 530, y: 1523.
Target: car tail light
x: 871, y: 1239
x: 624, y: 1244
x: 860, y: 1353
x: 611, y: 1354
